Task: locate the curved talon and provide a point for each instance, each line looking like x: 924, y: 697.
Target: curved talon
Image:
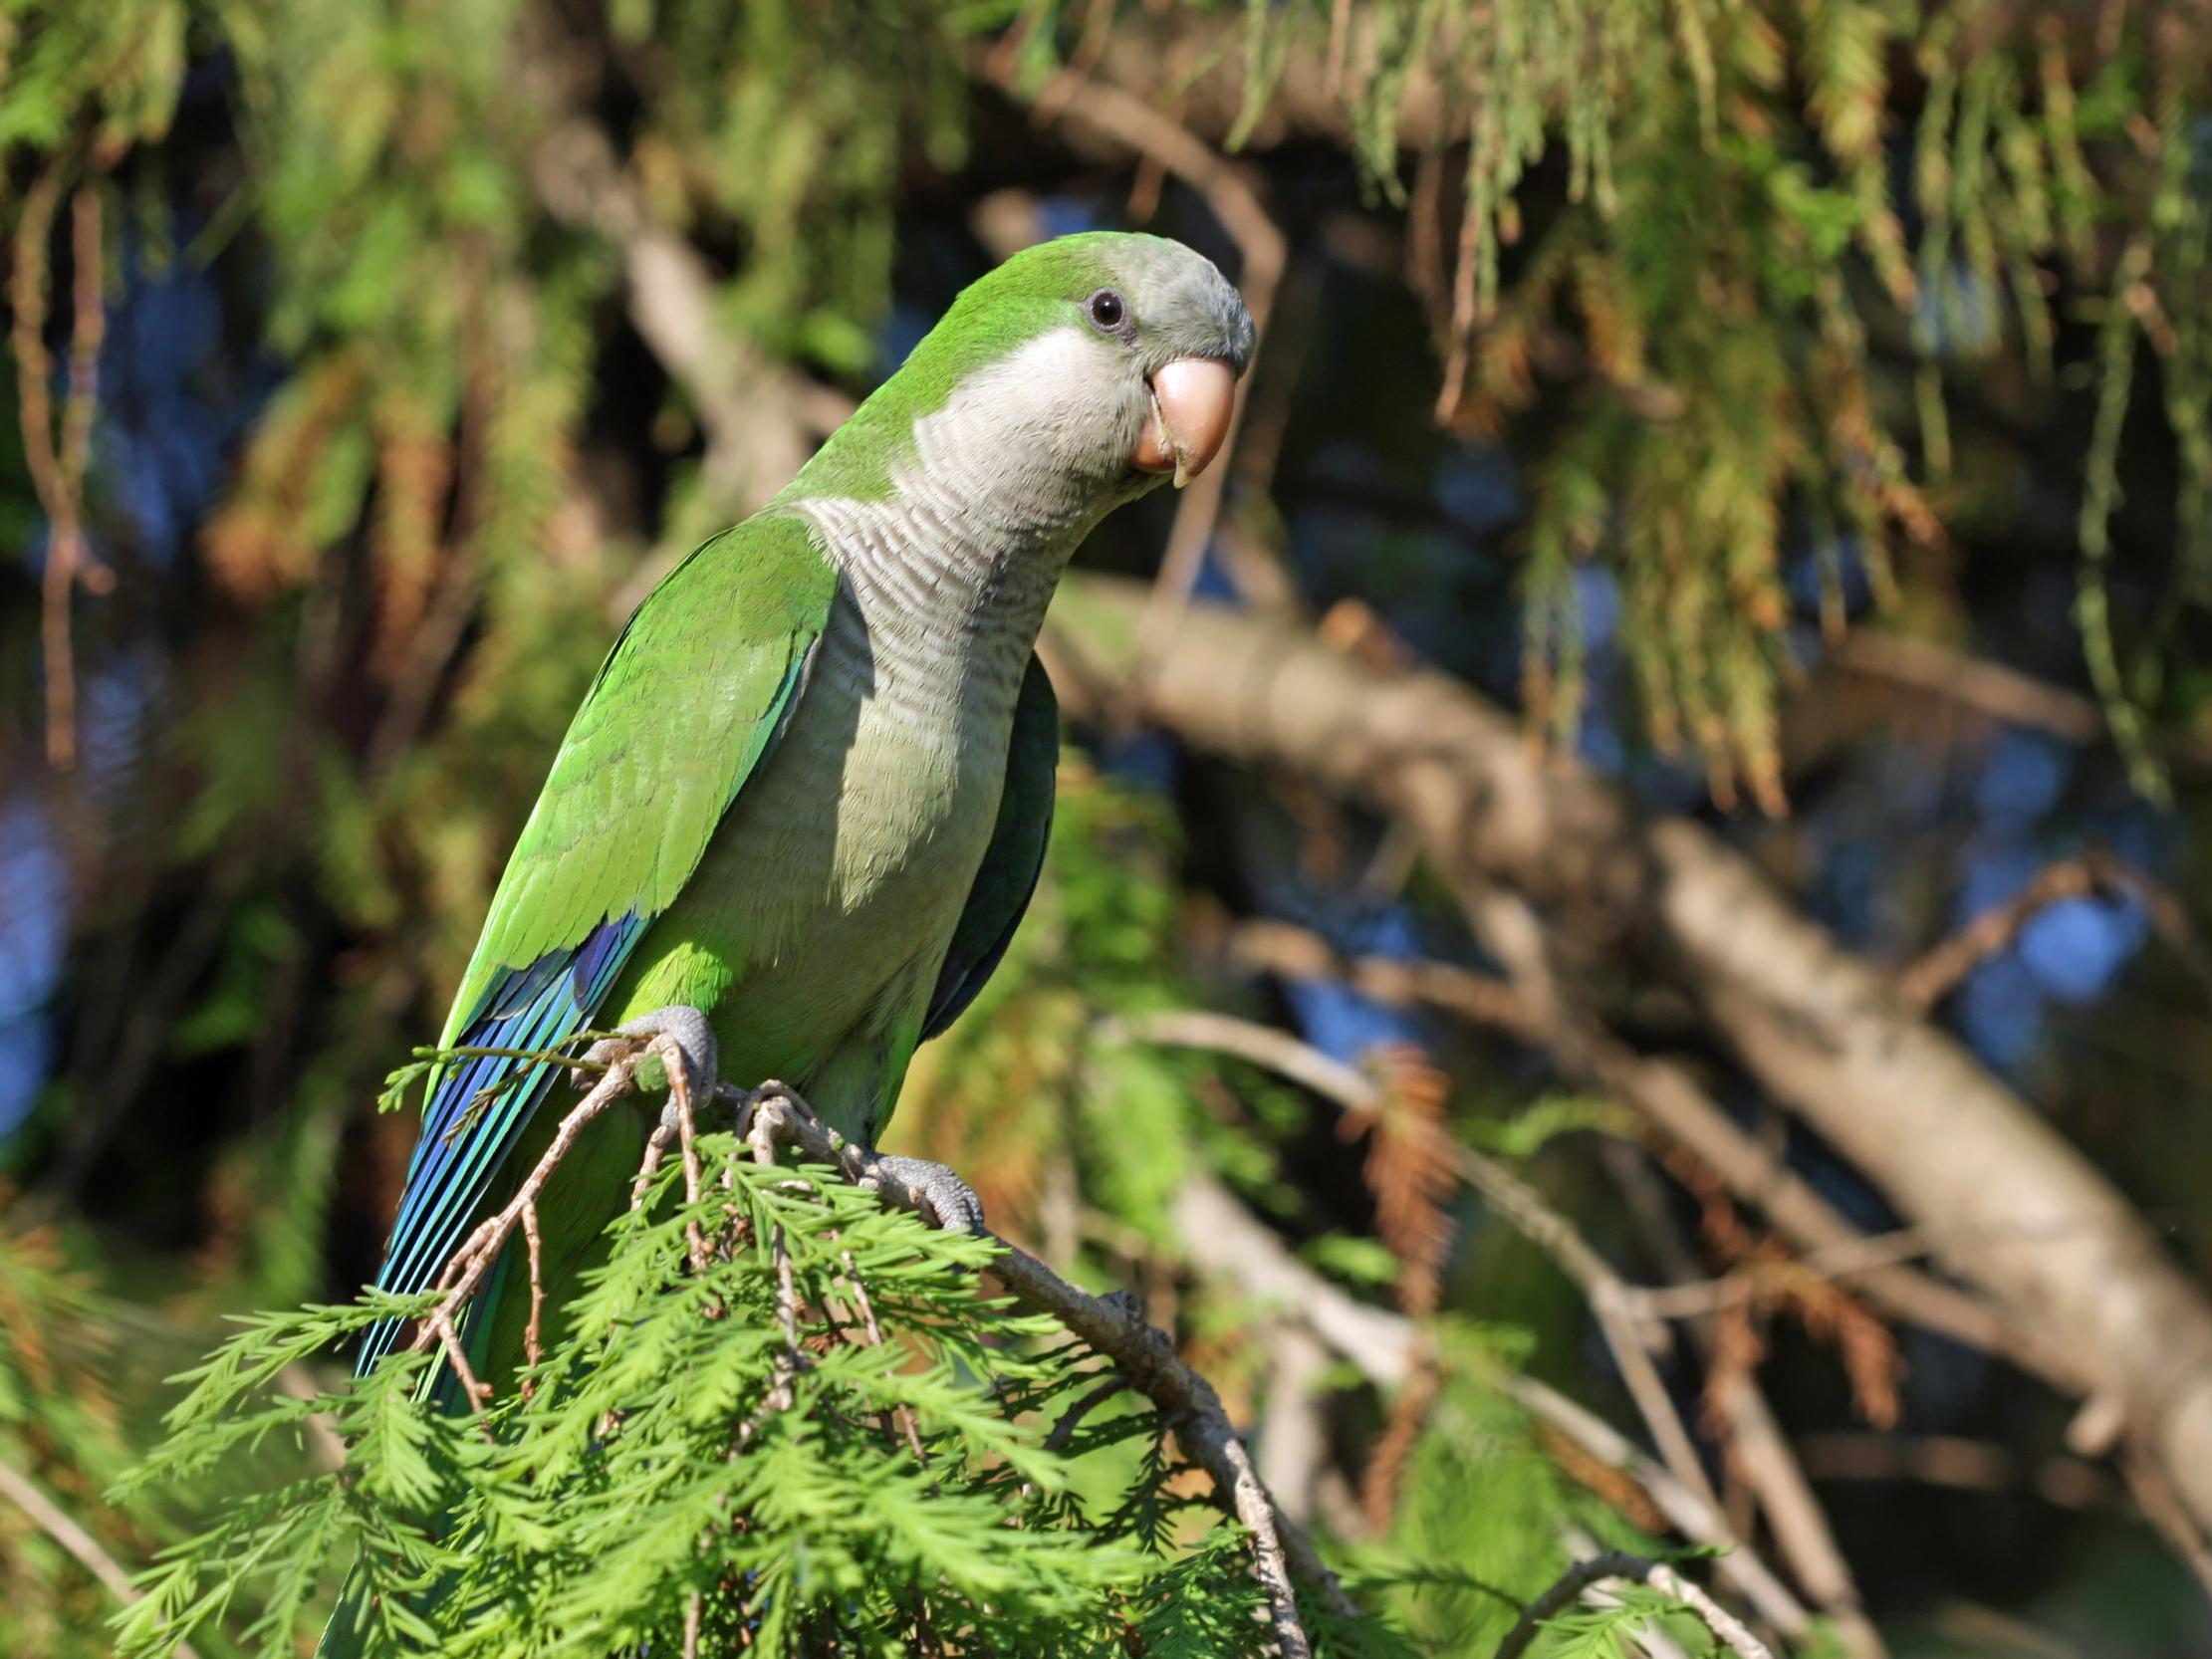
x: 936, y: 1193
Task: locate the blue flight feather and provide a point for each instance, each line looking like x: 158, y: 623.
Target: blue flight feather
x: 480, y: 1106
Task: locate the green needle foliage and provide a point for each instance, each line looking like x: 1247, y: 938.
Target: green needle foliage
x: 675, y: 1463
x: 676, y: 1468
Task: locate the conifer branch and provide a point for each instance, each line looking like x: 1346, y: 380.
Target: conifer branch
x: 1727, y: 1629
x: 773, y: 1117
x: 1141, y: 1351
x: 52, y: 1520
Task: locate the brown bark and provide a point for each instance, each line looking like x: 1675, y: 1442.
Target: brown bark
x: 2007, y: 1203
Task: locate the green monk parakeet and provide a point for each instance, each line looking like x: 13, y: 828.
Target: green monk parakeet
x: 808, y: 794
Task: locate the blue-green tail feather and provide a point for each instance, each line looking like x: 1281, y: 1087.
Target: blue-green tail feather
x: 480, y: 1104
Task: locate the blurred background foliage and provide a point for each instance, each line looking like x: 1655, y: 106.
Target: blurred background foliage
x: 1797, y: 410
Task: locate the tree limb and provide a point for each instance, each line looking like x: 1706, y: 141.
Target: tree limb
x: 1820, y: 1030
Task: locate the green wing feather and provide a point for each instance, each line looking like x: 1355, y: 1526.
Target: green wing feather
x: 1011, y: 863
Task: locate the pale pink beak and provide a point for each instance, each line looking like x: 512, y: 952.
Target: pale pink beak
x: 1192, y: 398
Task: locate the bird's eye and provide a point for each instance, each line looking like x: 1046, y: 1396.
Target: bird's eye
x: 1107, y: 308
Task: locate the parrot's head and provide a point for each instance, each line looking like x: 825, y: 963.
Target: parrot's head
x: 1082, y: 370
x: 1136, y: 343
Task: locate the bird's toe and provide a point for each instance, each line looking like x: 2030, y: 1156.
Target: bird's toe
x: 940, y: 1196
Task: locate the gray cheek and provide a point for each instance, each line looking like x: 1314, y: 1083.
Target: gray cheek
x: 1096, y: 439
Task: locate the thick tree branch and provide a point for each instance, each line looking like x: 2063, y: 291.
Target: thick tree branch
x: 1822, y: 1032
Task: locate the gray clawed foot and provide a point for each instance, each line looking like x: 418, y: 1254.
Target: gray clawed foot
x: 683, y: 1029
x: 939, y: 1196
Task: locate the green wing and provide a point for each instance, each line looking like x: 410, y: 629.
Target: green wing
x: 1008, y: 874
x: 691, y: 696
x: 695, y: 691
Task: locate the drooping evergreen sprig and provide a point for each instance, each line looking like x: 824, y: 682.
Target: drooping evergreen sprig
x: 781, y: 1412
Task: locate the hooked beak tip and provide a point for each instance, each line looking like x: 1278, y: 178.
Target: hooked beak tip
x: 1192, y: 400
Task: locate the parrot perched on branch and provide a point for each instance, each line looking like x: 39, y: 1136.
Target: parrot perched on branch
x: 808, y: 794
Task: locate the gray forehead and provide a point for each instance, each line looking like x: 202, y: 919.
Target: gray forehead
x: 1181, y: 294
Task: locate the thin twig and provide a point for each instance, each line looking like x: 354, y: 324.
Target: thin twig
x: 1928, y: 669
x: 1071, y: 1419
x: 1958, y: 1462
x: 57, y: 477
x: 449, y: 1339
x: 69, y: 561
x: 902, y: 1414
x: 50, y: 1518
x: 658, y: 1143
x: 1293, y: 952
x: 2092, y: 874
x: 1265, y: 252
x: 1846, y: 1260
x: 532, y: 1353
x: 679, y: 1105
x: 779, y: 1396
x: 1616, y: 1564
x: 477, y: 1253
x: 1632, y: 1340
